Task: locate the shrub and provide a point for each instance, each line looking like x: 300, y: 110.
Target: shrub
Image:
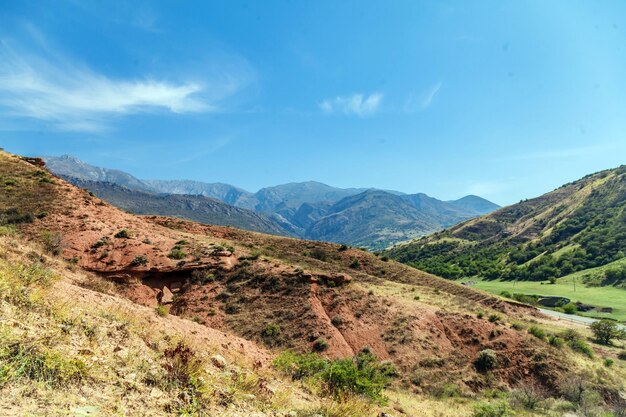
x: 552, y: 280
x: 183, y: 371
x: 161, y: 311
x: 271, y: 334
x: 500, y: 409
x: 52, y: 242
x: 580, y: 346
x: 494, y: 318
x: 556, y: 341
x: 320, y: 345
x: 537, y: 332
x: 608, y: 362
x: 122, y: 234
x: 139, y: 260
x: 622, y: 355
x: 480, y: 315
x: 355, y: 264
x: 570, y: 308
x: 528, y: 396
x: 319, y: 254
x: 300, y: 366
x: 201, y: 276
x: 342, y: 248
x: 606, y: 330
x: 486, y: 360
x: 337, y: 320
x: 176, y: 253
x: 505, y: 294
x: 362, y: 374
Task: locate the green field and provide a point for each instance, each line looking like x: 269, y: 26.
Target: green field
x: 608, y: 296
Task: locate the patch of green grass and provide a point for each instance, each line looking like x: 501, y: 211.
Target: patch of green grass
x: 608, y: 296
x: 22, y: 359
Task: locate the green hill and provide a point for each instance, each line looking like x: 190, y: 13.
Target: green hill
x: 579, y: 226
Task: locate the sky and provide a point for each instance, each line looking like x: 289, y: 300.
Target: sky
x: 503, y: 99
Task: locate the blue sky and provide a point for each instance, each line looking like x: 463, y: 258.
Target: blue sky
x: 505, y: 99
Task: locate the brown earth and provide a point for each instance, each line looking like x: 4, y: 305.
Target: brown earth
x: 245, y: 283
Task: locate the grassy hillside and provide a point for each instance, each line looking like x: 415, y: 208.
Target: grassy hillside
x: 96, y: 302
x: 581, y: 225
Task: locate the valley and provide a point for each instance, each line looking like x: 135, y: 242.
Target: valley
x: 256, y: 302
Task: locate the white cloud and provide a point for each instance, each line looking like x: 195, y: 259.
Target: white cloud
x: 357, y: 104
x: 71, y: 96
x: 422, y: 101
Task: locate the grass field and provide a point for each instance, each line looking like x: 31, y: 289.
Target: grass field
x: 608, y: 296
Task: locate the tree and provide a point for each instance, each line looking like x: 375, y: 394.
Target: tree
x: 605, y: 330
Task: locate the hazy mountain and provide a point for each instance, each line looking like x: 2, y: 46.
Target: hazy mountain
x: 193, y: 207
x: 373, y: 219
x: 578, y: 226
x: 227, y: 193
x: 294, y: 194
x: 473, y: 203
x: 358, y: 216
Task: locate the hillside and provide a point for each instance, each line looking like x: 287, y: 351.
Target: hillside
x: 581, y: 225
x: 373, y: 219
x: 308, y: 209
x: 432, y: 335
x: 194, y: 207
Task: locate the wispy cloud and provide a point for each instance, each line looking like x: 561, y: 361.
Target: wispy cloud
x: 574, y: 152
x: 422, y: 100
x: 356, y: 104
x: 71, y: 96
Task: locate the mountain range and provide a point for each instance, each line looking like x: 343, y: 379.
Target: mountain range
x: 364, y: 217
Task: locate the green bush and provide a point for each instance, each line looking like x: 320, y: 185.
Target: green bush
x: 361, y: 375
x: 52, y: 242
x: 580, y: 346
x: 486, y: 360
x: 500, y: 409
x: 139, y: 260
x: 622, y: 355
x: 608, y: 362
x: 320, y: 345
x: 122, y: 234
x: 271, y: 334
x: 537, y: 332
x: 606, y: 330
x: 161, y: 311
x: 176, y: 253
x: 494, y: 318
x: 556, y: 341
x: 570, y: 308
x: 505, y: 294
x: 355, y: 264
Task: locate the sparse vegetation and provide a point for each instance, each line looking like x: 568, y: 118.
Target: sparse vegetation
x: 486, y: 360
x: 177, y: 253
x: 139, y: 260
x: 122, y: 234
x: 361, y: 375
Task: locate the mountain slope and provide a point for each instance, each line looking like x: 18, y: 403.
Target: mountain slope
x: 373, y: 219
x: 224, y: 192
x: 581, y: 225
x: 194, y: 207
x: 285, y: 293
x: 475, y: 204
x: 73, y: 167
x: 296, y: 209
